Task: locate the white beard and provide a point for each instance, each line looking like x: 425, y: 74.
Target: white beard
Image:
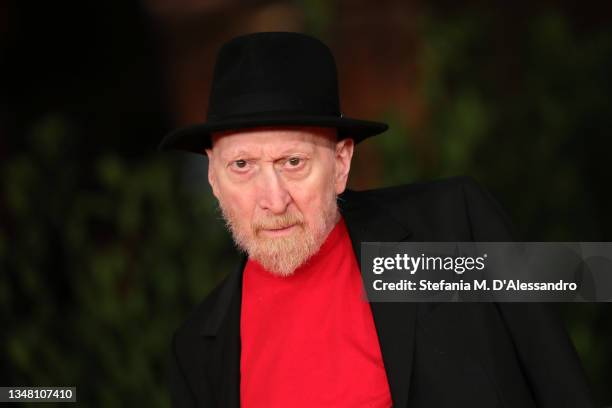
x: 283, y: 255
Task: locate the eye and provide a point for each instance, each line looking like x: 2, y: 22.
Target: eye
x: 240, y: 165
x: 294, y: 161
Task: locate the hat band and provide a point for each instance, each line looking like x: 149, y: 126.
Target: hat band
x: 258, y: 103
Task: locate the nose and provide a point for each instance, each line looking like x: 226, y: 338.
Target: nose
x: 273, y: 195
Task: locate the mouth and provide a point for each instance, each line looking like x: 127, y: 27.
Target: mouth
x: 278, y: 232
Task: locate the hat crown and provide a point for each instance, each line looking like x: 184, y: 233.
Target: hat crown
x: 272, y: 79
x: 279, y: 72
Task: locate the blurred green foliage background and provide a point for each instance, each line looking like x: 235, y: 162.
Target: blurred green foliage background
x: 105, y: 244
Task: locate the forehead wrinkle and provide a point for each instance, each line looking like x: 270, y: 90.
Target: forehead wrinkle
x: 297, y: 145
x: 271, y: 142
x: 301, y: 142
x: 239, y: 151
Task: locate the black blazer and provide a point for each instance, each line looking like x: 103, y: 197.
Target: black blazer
x: 435, y: 355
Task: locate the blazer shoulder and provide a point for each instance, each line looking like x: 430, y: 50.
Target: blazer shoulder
x: 426, y: 198
x: 425, y: 189
x: 449, y: 209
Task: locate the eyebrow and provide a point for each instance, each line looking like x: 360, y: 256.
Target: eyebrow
x: 295, y: 148
x: 237, y: 153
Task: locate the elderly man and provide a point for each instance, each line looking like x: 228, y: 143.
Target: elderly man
x: 291, y: 327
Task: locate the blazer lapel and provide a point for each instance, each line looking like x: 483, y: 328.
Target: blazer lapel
x: 395, y: 322
x: 221, y: 332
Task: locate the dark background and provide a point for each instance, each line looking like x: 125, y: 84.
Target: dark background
x: 106, y: 244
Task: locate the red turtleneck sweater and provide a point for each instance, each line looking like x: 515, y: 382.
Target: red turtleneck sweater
x: 309, y: 340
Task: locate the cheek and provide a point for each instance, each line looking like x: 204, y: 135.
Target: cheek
x: 312, y: 196
x: 239, y: 200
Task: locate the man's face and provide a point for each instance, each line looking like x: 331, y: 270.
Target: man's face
x: 277, y: 190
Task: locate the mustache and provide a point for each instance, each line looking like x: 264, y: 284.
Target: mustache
x: 278, y: 222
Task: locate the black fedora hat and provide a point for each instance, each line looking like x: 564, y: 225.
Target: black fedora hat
x: 272, y: 79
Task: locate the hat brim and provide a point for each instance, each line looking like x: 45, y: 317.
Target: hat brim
x: 196, y: 138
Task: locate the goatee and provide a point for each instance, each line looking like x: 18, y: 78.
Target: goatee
x: 282, y: 255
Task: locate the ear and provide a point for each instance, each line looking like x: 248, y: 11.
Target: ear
x: 212, y: 177
x: 344, y: 155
